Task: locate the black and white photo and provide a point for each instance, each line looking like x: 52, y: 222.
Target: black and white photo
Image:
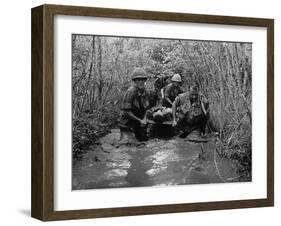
x: 160, y: 112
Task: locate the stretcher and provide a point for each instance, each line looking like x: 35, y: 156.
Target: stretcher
x: 160, y: 116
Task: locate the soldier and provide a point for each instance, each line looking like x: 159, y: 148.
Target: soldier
x: 160, y: 82
x: 192, y: 110
x: 135, y: 105
x: 171, y: 91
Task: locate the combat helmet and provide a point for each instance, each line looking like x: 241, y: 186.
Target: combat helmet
x: 139, y: 73
x: 176, y: 78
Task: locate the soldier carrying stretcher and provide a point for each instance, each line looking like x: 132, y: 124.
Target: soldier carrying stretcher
x: 171, y: 91
x: 135, y: 105
x: 190, y: 112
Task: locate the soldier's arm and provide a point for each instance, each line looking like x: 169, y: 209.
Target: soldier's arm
x: 144, y: 120
x: 174, y: 109
x: 127, y: 105
x: 204, y: 105
x: 167, y: 94
x: 132, y: 116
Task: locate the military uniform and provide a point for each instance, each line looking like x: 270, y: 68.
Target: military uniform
x: 171, y: 91
x: 191, y: 115
x: 136, y: 102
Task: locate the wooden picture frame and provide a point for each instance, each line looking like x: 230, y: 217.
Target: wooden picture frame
x: 42, y: 205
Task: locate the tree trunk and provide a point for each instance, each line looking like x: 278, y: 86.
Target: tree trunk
x: 93, y: 84
x: 99, y: 69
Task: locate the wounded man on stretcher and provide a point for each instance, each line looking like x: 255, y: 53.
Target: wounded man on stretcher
x: 160, y: 115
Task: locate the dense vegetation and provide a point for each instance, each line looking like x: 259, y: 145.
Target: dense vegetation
x: 102, y: 67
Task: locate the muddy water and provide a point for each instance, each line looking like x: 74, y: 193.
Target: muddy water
x: 118, y: 160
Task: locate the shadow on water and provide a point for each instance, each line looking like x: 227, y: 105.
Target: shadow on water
x: 137, y: 176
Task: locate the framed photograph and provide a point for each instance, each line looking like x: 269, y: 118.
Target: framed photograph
x: 141, y: 112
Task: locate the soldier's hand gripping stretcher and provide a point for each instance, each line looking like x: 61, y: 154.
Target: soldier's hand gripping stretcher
x: 143, y: 122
